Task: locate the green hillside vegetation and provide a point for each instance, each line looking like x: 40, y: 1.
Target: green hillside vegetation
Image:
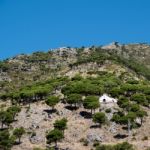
x: 100, y: 56
x: 78, y: 93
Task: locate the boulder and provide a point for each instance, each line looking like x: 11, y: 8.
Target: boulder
x: 138, y: 120
x: 36, y: 139
x: 34, y: 126
x: 91, y: 137
x: 113, y: 128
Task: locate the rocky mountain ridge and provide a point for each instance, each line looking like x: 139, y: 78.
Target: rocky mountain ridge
x: 41, y: 65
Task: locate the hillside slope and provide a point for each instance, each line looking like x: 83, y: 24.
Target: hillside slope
x: 35, y: 66
x: 39, y: 89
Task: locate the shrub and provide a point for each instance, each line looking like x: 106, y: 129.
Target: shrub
x: 100, y: 118
x: 121, y: 146
x: 108, y: 110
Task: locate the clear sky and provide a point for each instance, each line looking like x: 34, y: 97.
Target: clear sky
x: 31, y: 25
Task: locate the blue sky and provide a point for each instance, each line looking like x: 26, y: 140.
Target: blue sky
x: 31, y: 25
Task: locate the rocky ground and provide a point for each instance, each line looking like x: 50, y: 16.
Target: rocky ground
x: 38, y: 120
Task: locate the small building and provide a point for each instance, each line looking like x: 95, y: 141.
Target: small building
x: 107, y: 99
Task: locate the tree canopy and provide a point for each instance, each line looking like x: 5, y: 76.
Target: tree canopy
x: 18, y: 132
x: 61, y: 124
x: 54, y: 136
x: 91, y: 102
x: 52, y: 101
x: 99, y: 118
